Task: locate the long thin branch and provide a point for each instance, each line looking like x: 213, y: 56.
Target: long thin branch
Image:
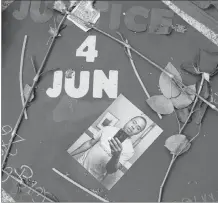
x: 165, y: 178
x: 24, y: 184
x: 79, y: 186
x: 174, y: 157
x: 21, y: 75
x: 35, y: 80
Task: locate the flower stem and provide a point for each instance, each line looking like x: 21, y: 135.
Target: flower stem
x: 35, y: 80
x: 194, y: 104
x: 165, y: 178
x: 174, y: 157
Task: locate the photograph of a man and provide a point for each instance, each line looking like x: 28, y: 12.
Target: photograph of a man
x: 114, y: 141
x: 110, y: 149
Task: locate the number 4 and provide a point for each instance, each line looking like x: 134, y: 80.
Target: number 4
x: 91, y: 52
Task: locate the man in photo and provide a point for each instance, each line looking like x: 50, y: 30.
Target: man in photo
x: 110, y: 149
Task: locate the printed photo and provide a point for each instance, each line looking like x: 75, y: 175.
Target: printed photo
x: 112, y: 144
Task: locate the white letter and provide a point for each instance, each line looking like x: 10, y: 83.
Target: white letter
x: 101, y: 82
x: 57, y: 85
x: 83, y: 87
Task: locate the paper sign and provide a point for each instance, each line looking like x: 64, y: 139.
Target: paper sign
x: 82, y: 13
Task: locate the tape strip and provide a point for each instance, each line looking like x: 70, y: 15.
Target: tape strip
x: 203, y: 29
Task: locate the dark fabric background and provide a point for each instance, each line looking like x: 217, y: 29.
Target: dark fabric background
x: 46, y: 141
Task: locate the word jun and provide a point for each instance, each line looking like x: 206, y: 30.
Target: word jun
x: 100, y: 83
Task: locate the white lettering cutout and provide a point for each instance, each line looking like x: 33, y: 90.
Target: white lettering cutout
x: 101, y: 82
x: 57, y: 85
x: 91, y: 53
x: 83, y: 87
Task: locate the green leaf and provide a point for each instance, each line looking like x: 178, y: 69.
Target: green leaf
x: 192, y: 67
x: 160, y: 104
x: 184, y: 100
x: 199, y: 114
x: 177, y: 144
x: 183, y: 114
x: 167, y: 87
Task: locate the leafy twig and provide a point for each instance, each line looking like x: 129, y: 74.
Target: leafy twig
x: 174, y: 157
x: 35, y: 80
x: 190, y: 141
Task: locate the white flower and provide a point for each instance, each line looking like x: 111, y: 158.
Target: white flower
x: 60, y: 6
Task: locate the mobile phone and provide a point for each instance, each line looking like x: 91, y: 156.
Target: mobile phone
x: 121, y: 135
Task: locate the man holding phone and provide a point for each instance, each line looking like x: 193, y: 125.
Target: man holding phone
x: 110, y: 149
